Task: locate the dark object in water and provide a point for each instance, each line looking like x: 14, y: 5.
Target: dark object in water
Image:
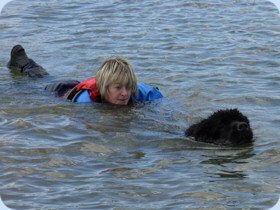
x: 19, y: 61
x: 223, y: 127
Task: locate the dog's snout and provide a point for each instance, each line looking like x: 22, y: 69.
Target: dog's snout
x: 241, y: 126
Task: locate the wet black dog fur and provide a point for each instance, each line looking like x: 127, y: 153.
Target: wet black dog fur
x: 224, y: 127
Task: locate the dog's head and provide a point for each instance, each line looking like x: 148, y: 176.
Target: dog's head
x: 224, y: 127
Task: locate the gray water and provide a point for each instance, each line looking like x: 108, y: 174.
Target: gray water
x: 203, y: 56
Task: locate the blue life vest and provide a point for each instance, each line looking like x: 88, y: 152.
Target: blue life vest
x: 146, y: 93
x: 83, y: 97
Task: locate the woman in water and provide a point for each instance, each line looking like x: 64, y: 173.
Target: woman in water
x: 115, y: 82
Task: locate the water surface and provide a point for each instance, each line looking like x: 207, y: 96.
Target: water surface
x: 203, y: 55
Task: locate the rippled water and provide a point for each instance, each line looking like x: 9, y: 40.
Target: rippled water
x: 203, y: 55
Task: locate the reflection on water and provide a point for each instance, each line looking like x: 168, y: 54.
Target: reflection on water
x: 202, y: 55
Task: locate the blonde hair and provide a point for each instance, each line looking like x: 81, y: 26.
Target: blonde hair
x: 116, y: 70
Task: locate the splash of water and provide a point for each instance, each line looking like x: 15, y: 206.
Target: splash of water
x: 3, y: 3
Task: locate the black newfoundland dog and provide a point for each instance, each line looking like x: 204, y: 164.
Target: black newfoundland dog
x: 224, y: 127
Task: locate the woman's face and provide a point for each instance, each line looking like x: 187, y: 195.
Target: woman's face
x: 119, y: 94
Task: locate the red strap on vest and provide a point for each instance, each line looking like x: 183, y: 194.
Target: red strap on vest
x: 91, y: 85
